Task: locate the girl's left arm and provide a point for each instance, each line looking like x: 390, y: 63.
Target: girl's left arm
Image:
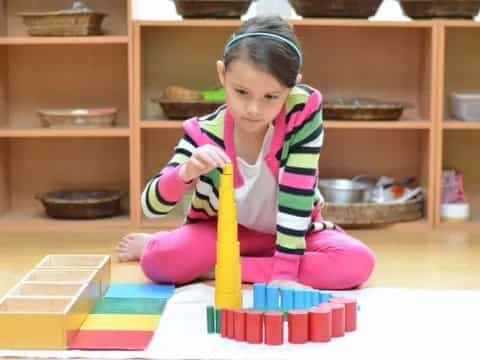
x: 297, y: 189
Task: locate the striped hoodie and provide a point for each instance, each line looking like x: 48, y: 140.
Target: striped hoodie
x: 292, y: 158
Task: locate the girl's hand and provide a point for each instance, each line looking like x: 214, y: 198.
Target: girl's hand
x: 290, y: 284
x: 203, y: 160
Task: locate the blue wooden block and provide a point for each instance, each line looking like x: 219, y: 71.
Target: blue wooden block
x: 142, y: 291
x: 299, y: 299
x: 272, y: 297
x: 259, y: 296
x: 286, y: 299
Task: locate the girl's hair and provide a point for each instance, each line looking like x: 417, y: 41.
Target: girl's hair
x: 281, y: 58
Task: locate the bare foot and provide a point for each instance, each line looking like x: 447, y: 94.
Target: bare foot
x: 130, y: 247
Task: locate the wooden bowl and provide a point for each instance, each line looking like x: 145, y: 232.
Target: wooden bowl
x: 361, y: 109
x: 78, y: 118
x: 336, y: 8
x: 81, y: 204
x: 184, y: 109
x: 425, y: 9
x: 212, y: 8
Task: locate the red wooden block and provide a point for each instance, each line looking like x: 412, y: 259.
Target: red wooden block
x: 223, y: 323
x: 110, y: 340
x: 297, y: 327
x: 338, y: 319
x: 239, y: 328
x: 350, y: 311
x: 274, y: 328
x: 254, y: 327
x: 320, y: 324
x: 230, y: 324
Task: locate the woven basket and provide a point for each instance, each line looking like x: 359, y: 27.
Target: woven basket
x: 184, y: 109
x: 336, y: 8
x: 81, y: 204
x: 362, y: 109
x: 370, y: 214
x: 78, y: 118
x: 63, y: 23
x: 425, y: 9
x: 212, y: 8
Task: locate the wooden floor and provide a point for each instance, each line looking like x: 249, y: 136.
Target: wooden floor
x: 431, y: 260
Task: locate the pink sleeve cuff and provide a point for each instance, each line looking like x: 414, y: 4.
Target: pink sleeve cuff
x: 171, y: 186
x: 285, y: 266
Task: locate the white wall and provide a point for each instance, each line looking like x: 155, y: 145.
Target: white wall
x: 165, y: 9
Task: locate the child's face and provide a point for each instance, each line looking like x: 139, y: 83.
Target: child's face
x: 253, y: 95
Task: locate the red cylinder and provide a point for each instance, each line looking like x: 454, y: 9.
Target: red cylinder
x: 297, y: 327
x: 320, y: 324
x: 239, y: 328
x: 338, y: 319
x: 230, y: 324
x: 223, y: 323
x: 274, y: 328
x: 254, y: 327
x: 350, y: 311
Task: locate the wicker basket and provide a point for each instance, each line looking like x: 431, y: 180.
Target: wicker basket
x: 361, y: 109
x: 336, y: 8
x: 63, y: 23
x: 212, y: 8
x: 78, y: 118
x: 370, y: 214
x: 81, y: 204
x: 184, y: 109
x: 425, y: 9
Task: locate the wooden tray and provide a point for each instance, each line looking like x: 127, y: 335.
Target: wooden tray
x: 81, y: 204
x: 361, y: 109
x: 184, y: 109
x: 49, y: 304
x: 425, y: 9
x: 336, y: 8
x: 370, y: 214
x: 212, y: 8
x: 63, y: 23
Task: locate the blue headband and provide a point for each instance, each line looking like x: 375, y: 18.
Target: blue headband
x: 290, y: 43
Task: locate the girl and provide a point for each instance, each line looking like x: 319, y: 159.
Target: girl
x: 271, y: 131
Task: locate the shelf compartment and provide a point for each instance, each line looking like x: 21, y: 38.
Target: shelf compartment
x: 30, y: 40
x: 461, y: 72
x: 459, y: 153
x: 387, y: 63
x: 36, y: 165
x: 116, y: 23
x: 67, y: 76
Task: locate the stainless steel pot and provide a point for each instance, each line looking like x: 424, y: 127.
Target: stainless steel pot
x: 343, y: 190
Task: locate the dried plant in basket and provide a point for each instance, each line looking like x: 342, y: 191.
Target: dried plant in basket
x: 79, y: 20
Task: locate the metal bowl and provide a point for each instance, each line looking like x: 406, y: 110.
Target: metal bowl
x: 343, y: 191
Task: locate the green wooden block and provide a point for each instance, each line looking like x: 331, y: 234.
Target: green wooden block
x: 129, y: 306
x: 210, y: 319
x: 218, y: 321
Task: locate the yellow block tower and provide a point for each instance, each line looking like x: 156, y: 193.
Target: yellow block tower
x: 228, y: 281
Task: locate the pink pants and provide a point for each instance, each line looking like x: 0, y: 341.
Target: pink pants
x: 332, y: 260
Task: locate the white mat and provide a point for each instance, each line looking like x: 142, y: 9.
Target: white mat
x: 392, y: 324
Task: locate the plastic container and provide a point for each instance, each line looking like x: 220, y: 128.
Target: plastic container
x: 455, y: 212
x: 465, y: 105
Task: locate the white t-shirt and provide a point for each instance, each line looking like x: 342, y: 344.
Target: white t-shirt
x: 257, y: 201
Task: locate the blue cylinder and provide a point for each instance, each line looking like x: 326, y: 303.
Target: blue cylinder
x: 286, y: 299
x: 299, y: 299
x: 272, y: 297
x: 259, y: 296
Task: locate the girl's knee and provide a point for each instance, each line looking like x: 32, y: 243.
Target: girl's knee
x: 362, y: 261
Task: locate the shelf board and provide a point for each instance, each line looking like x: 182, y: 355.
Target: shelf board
x: 46, y: 40
x: 294, y: 22
x: 331, y: 124
x: 461, y: 125
x: 35, y: 219
x: 466, y: 226
x: 12, y: 132
x: 168, y: 223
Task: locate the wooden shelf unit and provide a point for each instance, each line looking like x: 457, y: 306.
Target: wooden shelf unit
x: 62, y: 72
x: 396, y: 63
x: 458, y: 141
